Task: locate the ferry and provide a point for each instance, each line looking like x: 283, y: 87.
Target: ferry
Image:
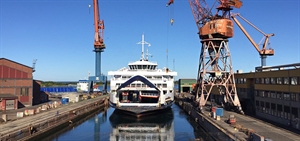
x: 142, y: 88
x: 83, y: 86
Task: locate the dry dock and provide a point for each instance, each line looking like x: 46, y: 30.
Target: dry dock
x: 245, y: 128
x: 49, y: 120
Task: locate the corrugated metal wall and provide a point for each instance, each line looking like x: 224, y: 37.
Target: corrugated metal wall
x: 58, y: 89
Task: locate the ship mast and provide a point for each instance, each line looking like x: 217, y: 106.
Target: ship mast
x: 143, y: 42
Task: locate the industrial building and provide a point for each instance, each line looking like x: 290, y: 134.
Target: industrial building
x: 271, y: 93
x: 17, y: 87
x: 186, y: 85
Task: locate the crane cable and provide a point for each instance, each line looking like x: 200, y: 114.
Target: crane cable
x: 170, y: 15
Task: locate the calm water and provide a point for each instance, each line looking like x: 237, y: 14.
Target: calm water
x: 172, y: 125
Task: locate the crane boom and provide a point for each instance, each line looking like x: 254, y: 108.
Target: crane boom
x: 99, y: 28
x: 200, y: 11
x: 262, y: 52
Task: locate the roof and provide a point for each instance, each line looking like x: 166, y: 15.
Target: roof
x: 16, y: 62
x: 5, y: 96
x: 138, y: 78
x: 142, y: 62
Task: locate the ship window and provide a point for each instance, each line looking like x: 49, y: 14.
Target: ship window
x: 164, y: 85
x: 158, y: 85
x: 149, y: 77
x: 139, y: 67
x: 165, y: 92
x: 132, y: 85
x: 171, y: 91
x: 144, y: 67
x: 143, y: 85
x: 138, y: 85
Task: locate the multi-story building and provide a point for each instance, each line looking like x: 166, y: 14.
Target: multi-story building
x: 272, y: 93
x: 16, y: 83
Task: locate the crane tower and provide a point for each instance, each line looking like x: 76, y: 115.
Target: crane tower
x: 215, y: 72
x: 99, y: 47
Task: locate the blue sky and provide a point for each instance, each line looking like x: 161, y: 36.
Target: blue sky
x: 60, y: 34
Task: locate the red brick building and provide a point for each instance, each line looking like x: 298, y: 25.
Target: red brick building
x: 16, y: 80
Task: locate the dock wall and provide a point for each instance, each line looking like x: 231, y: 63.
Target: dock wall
x: 217, y: 132
x: 45, y: 126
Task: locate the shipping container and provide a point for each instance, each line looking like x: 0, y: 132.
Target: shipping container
x: 219, y: 112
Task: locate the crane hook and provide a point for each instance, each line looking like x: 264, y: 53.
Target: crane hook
x: 172, y: 21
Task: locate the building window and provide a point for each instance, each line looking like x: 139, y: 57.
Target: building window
x: 294, y: 97
x: 273, y: 109
x: 24, y: 91
x: 242, y: 80
x: 257, y: 80
x: 262, y: 80
x: 267, y: 80
x: 279, y: 110
x: 268, y: 108
x: 286, y: 96
x: 278, y: 95
x: 272, y: 81
x: 294, y: 80
x: 257, y: 105
x: 286, y: 80
x: 267, y: 94
x: 262, y: 105
x: 273, y: 94
x: 287, y: 112
x: 256, y: 92
x: 262, y: 94
x: 279, y: 80
x: 245, y: 81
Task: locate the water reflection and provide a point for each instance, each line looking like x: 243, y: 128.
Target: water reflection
x: 155, y: 127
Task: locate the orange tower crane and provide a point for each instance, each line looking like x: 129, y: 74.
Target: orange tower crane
x: 215, y: 72
x: 99, y: 45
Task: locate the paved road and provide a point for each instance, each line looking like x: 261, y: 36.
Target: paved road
x: 262, y: 128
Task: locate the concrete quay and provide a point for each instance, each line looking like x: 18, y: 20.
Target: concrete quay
x: 50, y: 120
x: 245, y: 129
